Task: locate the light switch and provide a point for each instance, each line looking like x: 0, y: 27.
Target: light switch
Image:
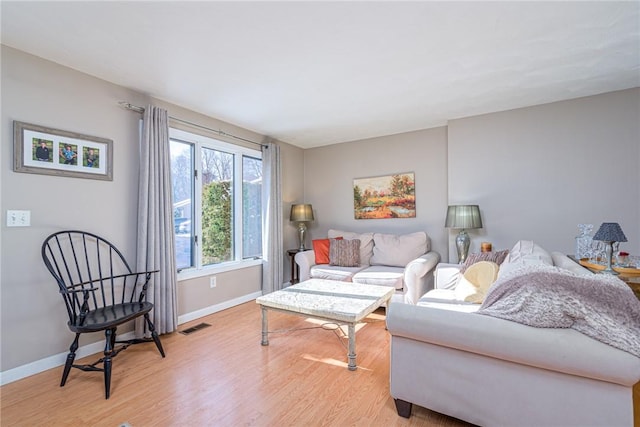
x: 18, y: 218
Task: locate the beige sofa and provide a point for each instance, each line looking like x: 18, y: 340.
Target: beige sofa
x: 405, y: 262
x: 495, y: 372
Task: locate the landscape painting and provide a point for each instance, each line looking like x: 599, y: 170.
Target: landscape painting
x: 389, y: 196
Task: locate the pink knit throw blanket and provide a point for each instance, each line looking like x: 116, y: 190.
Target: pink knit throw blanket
x: 597, y: 305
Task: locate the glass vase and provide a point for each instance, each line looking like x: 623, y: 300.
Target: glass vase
x: 583, y: 241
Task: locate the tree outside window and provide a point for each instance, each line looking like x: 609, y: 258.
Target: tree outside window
x: 217, y: 201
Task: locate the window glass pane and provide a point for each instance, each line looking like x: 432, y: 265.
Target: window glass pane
x: 182, y: 182
x: 217, y: 206
x: 251, y: 207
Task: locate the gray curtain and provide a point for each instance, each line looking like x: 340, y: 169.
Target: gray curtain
x: 156, y: 241
x: 272, y: 247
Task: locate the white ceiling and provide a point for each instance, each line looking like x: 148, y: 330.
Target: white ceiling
x: 318, y: 73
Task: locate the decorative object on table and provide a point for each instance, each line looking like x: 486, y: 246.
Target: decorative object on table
x: 622, y: 258
x: 597, y: 253
x: 463, y: 217
x: 301, y: 214
x: 485, y: 247
x: 389, y: 196
x: 609, y: 232
x: 628, y: 274
x: 47, y: 151
x: 584, y: 241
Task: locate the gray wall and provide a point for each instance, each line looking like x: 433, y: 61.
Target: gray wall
x: 33, y: 321
x: 329, y: 172
x: 538, y: 172
x: 535, y: 172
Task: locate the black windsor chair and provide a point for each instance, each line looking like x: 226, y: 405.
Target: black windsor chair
x: 100, y: 292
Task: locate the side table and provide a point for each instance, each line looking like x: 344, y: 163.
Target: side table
x: 629, y: 275
x: 295, y: 269
x: 634, y: 284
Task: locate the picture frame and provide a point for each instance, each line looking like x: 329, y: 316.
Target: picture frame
x: 384, y: 197
x: 47, y: 151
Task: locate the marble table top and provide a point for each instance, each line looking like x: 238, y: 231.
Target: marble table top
x: 331, y: 299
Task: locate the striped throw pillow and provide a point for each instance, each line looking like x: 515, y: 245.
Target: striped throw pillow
x: 344, y: 253
x: 497, y: 257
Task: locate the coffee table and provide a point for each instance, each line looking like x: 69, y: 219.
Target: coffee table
x: 342, y: 302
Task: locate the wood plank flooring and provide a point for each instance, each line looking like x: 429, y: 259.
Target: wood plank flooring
x: 222, y: 376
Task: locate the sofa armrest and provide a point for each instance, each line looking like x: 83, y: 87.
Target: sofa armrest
x: 561, y: 260
x: 446, y: 275
x: 573, y: 353
x: 305, y: 261
x: 417, y: 280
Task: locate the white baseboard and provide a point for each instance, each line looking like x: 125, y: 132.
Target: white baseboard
x: 216, y: 308
x: 56, y: 360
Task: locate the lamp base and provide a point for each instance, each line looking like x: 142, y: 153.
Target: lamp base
x: 608, y: 249
x: 462, y: 245
x: 302, y: 231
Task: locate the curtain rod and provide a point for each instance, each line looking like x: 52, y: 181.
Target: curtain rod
x: 140, y: 110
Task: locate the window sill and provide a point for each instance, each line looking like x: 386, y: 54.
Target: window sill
x: 193, y: 273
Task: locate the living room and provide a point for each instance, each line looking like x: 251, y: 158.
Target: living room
x: 536, y: 172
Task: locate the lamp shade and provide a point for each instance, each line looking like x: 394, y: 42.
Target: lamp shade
x: 301, y: 213
x: 610, y: 232
x: 463, y: 216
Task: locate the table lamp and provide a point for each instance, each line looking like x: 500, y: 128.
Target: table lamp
x: 301, y: 214
x: 608, y: 233
x: 463, y: 217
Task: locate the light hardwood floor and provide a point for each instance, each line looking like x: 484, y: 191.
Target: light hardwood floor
x: 222, y: 376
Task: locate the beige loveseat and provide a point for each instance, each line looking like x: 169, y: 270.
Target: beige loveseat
x: 405, y: 262
x: 495, y: 372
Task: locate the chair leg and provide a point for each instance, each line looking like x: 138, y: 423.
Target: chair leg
x: 113, y: 338
x: 70, y: 358
x: 154, y: 334
x: 108, y: 349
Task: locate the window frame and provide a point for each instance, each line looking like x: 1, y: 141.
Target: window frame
x: 199, y: 141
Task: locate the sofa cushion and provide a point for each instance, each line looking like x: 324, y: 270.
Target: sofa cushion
x: 398, y: 250
x: 321, y: 250
x: 381, y: 275
x: 527, y: 252
x: 366, y: 243
x: 344, y: 253
x: 333, y: 272
x: 446, y: 299
x: 475, y: 282
x: 497, y: 257
x: 524, y: 253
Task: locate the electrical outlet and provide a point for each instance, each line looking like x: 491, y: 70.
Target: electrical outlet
x: 212, y: 282
x: 18, y: 218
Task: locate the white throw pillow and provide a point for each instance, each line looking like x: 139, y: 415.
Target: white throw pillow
x: 527, y: 252
x: 366, y: 243
x: 524, y: 253
x: 398, y: 250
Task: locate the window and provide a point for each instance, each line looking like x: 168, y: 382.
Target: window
x: 217, y: 202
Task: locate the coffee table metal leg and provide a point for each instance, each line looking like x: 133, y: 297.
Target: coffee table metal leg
x: 265, y: 327
x: 352, y: 347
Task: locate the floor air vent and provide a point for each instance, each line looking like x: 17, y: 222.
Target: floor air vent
x: 195, y: 328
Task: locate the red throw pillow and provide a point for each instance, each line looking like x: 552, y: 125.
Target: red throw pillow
x: 321, y: 249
